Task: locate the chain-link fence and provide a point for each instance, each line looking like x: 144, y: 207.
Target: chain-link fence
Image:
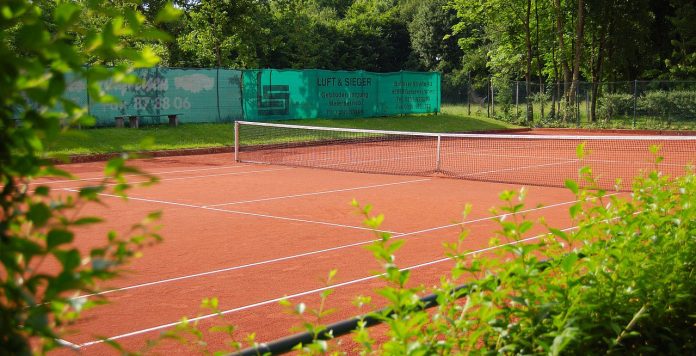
x: 629, y: 104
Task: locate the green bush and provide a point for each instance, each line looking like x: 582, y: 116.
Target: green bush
x: 611, y: 105
x: 669, y: 104
x: 627, y: 285
x: 41, y: 43
x: 621, y: 282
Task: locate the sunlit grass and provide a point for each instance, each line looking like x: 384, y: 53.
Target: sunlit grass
x: 187, y: 136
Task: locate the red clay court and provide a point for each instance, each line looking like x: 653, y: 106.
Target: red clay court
x: 252, y: 234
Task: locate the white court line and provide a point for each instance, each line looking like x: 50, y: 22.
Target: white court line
x: 321, y: 192
x: 192, y: 177
x: 235, y: 212
x: 341, y: 247
x: 518, y: 168
x: 136, y: 175
x: 276, y: 300
x: 68, y: 344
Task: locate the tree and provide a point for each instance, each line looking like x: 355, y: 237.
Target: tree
x: 373, y: 37
x: 682, y: 64
x: 218, y: 33
x: 506, y: 26
x: 302, y: 34
x: 432, y: 39
x: 39, y: 47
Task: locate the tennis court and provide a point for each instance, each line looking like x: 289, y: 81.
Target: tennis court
x: 251, y: 234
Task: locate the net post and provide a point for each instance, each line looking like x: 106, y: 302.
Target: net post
x: 437, y: 158
x: 236, y: 141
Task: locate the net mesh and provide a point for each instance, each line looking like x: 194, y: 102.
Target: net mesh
x: 517, y: 159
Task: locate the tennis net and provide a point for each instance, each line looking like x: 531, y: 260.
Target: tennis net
x: 519, y: 159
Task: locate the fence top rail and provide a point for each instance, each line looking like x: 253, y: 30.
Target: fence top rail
x: 478, y: 136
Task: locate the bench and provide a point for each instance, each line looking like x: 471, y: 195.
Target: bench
x: 134, y: 120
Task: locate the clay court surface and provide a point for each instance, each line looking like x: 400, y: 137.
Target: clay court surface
x: 252, y: 234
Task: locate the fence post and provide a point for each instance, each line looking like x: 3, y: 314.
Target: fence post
x: 587, y: 104
x: 217, y: 92
x: 542, y: 99
x: 517, y: 99
x: 89, y: 109
x: 488, y: 102
x: 236, y: 141
x: 468, y: 95
x: 577, y: 102
x: 492, y: 99
x: 635, y: 101
x: 438, y: 154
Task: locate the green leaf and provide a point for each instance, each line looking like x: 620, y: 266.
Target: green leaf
x: 39, y: 214
x: 568, y: 262
x: 66, y: 13
x: 57, y: 237
x: 87, y: 220
x: 572, y: 185
x: 42, y: 191
x: 580, y: 150
x: 168, y: 13
x: 90, y: 193
x: 525, y: 226
x: 68, y: 259
x: 559, y: 233
x: 575, y: 210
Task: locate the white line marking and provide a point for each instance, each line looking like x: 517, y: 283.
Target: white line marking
x: 518, y: 168
x: 203, y: 176
x: 235, y: 212
x: 341, y: 247
x: 338, y: 285
x: 135, y: 175
x: 319, y: 193
x: 468, y: 222
x: 68, y: 344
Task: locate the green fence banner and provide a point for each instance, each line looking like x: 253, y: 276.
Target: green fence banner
x: 270, y: 94
x: 197, y: 95
x: 225, y: 95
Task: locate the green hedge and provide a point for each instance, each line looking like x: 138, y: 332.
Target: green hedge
x: 612, y: 105
x: 663, y: 104
x: 669, y: 104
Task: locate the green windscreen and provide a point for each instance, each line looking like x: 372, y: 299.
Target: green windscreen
x: 271, y: 94
x: 196, y: 95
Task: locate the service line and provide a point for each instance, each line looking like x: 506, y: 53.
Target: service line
x: 321, y: 192
x: 234, y: 211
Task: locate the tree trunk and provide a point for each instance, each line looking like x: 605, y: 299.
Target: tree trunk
x: 538, y: 55
x: 579, y: 37
x: 528, y: 72
x: 554, y: 90
x: 597, y: 71
x: 560, y: 26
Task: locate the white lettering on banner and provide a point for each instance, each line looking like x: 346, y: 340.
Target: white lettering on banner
x: 158, y: 103
x: 194, y: 83
x: 147, y: 85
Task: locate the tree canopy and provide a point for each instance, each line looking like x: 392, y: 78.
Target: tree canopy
x: 551, y: 40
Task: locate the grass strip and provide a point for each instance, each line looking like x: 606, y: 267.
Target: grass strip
x: 187, y: 136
